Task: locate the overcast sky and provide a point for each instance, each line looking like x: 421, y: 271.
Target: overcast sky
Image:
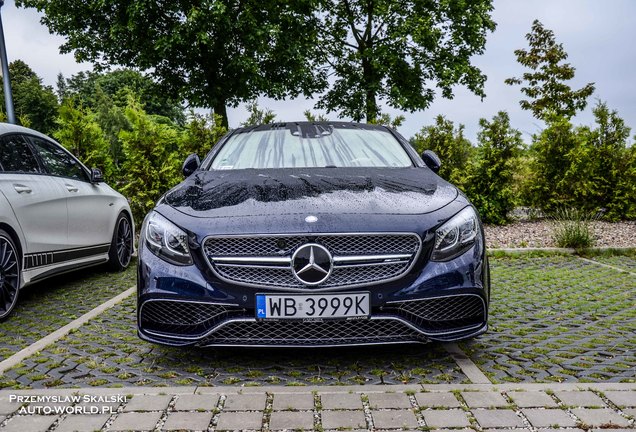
x: 599, y: 36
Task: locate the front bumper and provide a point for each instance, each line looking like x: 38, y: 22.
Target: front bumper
x: 436, y: 301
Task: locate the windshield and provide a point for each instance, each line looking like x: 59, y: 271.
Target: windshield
x: 311, y: 146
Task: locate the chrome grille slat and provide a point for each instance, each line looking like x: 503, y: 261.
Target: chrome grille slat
x: 359, y: 259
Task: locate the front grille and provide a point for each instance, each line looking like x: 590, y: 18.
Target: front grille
x: 265, y: 261
x: 299, y: 333
x: 442, y: 314
x: 182, y: 318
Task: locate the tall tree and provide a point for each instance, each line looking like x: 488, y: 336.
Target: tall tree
x: 400, y: 52
x: 214, y: 53
x: 545, y: 86
x: 35, y: 104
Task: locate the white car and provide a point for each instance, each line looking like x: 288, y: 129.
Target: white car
x: 56, y: 215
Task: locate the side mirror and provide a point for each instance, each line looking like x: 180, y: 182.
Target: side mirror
x: 431, y: 160
x: 191, y: 164
x: 96, y: 176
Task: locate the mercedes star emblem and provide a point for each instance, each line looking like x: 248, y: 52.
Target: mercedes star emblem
x: 312, y: 264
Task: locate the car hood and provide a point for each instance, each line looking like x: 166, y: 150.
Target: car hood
x: 335, y: 191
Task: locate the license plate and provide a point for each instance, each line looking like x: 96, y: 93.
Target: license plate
x: 314, y: 306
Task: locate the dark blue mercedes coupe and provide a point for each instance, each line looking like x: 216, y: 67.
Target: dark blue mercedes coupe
x: 312, y: 234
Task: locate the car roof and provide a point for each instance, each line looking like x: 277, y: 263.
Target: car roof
x: 6, y: 128
x: 306, y: 124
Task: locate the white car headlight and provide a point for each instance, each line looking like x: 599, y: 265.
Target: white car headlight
x: 166, y: 240
x: 456, y: 236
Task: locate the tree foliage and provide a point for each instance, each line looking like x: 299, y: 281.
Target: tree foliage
x: 552, y: 151
x: 451, y: 146
x: 490, y: 183
x: 401, y: 52
x: 35, y: 104
x: 152, y: 164
x: 200, y: 134
x: 600, y: 170
x: 258, y: 115
x: 88, y: 87
x: 545, y: 86
x: 80, y: 133
x: 212, y: 53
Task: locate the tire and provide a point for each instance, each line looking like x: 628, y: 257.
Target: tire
x: 10, y: 276
x: 121, y: 247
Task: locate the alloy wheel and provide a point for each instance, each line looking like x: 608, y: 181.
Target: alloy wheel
x: 9, y: 276
x: 124, y: 241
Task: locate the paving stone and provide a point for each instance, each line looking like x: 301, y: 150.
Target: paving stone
x: 559, y: 430
x: 148, y: 403
x: 394, y: 419
x: 31, y: 423
x: 622, y: 398
x: 437, y: 400
x: 196, y: 402
x: 240, y: 420
x: 82, y: 423
x: 580, y: 398
x: 299, y: 401
x: 532, y: 399
x: 491, y: 418
x: 484, y: 399
x: 138, y: 421
x: 445, y: 418
x: 599, y: 417
x: 613, y: 430
x: 187, y: 420
x: 340, y: 401
x: 343, y: 419
x: 245, y: 402
x: 291, y: 420
x: 389, y: 400
x: 548, y: 417
x: 7, y: 407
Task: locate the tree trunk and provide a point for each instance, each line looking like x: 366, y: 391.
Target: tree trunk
x: 371, y: 105
x: 221, y: 110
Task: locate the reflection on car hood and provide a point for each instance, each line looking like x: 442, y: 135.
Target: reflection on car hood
x: 309, y: 191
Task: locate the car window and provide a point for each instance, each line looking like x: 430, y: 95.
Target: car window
x: 311, y: 147
x: 57, y: 161
x: 16, y: 155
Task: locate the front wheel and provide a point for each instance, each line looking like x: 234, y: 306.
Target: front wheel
x: 9, y: 274
x: 121, y: 247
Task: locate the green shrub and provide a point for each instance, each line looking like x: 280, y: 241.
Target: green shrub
x: 490, y: 180
x: 152, y: 163
x: 80, y: 133
x: 200, y: 134
x: 451, y: 146
x: 572, y: 228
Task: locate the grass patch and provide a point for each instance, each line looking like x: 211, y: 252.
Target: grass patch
x: 572, y: 228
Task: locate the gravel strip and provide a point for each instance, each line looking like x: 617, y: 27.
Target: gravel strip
x: 539, y: 234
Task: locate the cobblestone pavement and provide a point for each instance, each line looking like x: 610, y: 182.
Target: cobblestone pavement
x: 553, y: 319
x: 558, y: 319
x: 627, y: 263
x: 108, y: 352
x: 373, y: 408
x: 46, y: 306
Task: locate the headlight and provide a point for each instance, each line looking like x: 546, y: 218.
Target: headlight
x: 456, y: 236
x: 166, y: 240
